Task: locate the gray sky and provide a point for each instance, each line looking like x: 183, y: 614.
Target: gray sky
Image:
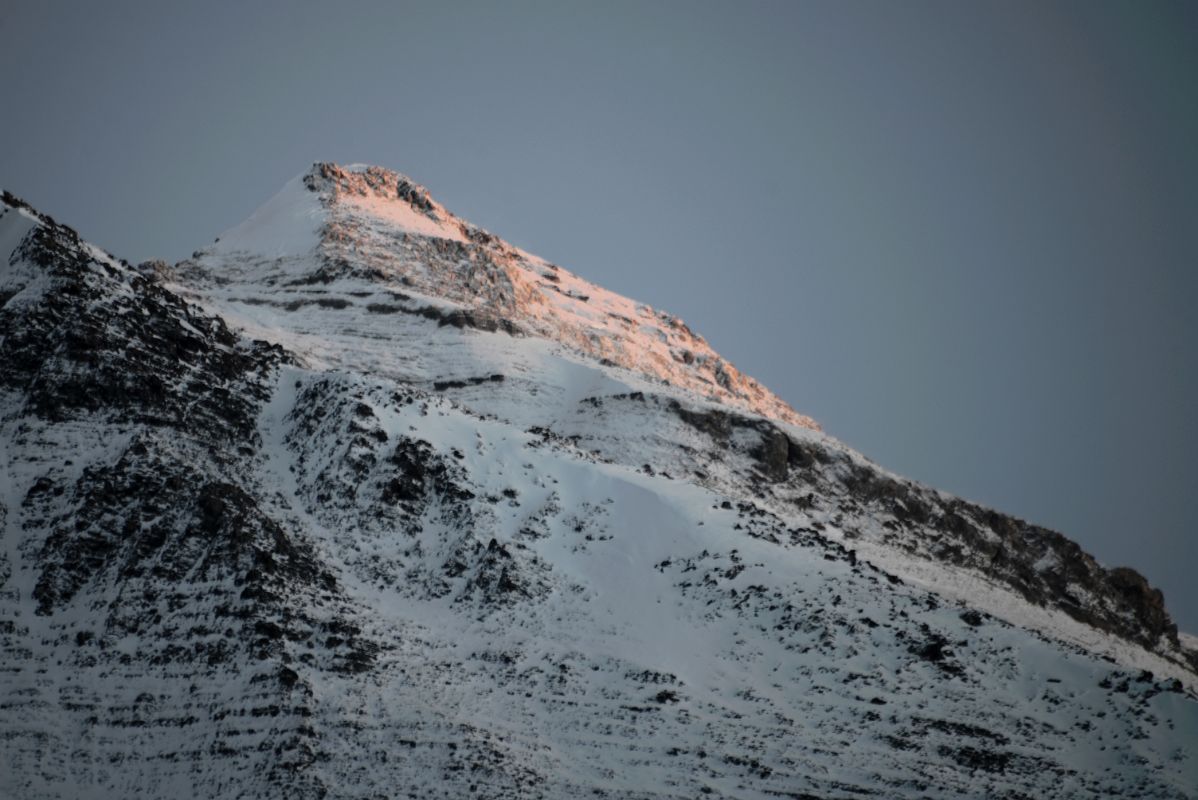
x: 963, y: 236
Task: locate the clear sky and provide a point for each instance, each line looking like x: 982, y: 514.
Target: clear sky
x: 962, y: 236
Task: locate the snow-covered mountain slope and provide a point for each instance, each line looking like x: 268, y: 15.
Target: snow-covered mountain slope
x: 364, y: 502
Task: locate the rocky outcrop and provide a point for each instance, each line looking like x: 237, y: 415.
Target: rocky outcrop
x: 103, y: 339
x: 774, y: 453
x: 1041, y: 565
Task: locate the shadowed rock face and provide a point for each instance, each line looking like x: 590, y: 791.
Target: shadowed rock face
x: 103, y: 338
x: 1043, y: 566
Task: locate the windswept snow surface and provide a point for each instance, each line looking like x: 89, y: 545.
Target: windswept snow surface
x: 288, y: 224
x: 385, y: 511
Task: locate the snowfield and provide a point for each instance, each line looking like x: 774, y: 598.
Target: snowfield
x: 362, y: 501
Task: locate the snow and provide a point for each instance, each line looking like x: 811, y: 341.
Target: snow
x: 15, y: 223
x: 621, y: 606
x: 21, y: 284
x: 286, y: 225
x: 402, y: 217
x: 969, y: 588
x: 673, y: 631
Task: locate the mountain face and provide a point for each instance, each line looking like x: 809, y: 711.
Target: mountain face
x: 362, y: 501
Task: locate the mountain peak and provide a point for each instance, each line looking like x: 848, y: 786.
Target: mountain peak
x: 366, y: 180
x: 364, y: 228
x: 388, y: 194
x: 426, y: 536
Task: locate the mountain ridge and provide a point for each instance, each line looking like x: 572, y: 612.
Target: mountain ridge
x: 378, y: 224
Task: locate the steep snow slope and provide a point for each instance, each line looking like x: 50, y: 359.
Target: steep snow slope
x: 351, y: 516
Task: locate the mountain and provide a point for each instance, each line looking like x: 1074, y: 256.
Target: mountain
x: 362, y: 501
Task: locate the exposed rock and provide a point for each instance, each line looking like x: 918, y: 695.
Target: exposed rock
x: 479, y: 320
